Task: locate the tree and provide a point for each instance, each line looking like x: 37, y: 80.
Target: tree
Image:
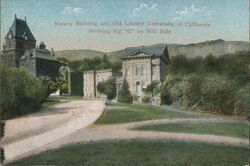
x: 50, y: 85
x: 20, y: 93
x: 124, y: 94
x: 110, y: 89
x: 150, y: 88
x: 101, y: 87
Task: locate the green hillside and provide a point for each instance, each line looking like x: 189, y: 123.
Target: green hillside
x: 215, y: 47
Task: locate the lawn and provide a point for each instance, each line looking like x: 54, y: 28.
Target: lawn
x: 66, y: 97
x: 141, y: 153
x: 137, y: 112
x: 48, y: 103
x: 226, y: 129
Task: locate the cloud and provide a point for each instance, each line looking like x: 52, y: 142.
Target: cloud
x: 192, y: 11
x: 144, y: 8
x: 71, y: 10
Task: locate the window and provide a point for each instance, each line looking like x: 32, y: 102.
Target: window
x: 137, y: 70
x: 138, y: 87
x: 142, y: 70
x: 127, y: 72
x: 154, y: 70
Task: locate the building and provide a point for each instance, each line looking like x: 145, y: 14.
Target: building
x: 19, y: 50
x: 142, y: 66
x: 74, y: 81
x: 18, y: 39
x: 91, y: 80
x: 40, y: 62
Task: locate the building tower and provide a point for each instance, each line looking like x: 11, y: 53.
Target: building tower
x: 18, y: 39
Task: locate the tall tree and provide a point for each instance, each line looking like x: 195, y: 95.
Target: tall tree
x: 124, y: 94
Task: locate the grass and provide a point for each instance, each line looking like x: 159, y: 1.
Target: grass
x: 226, y: 129
x: 48, y: 103
x: 66, y: 97
x: 141, y: 153
x: 137, y: 112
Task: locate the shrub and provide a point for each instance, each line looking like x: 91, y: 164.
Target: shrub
x: 242, y: 106
x: 180, y: 64
x: 101, y: 86
x: 146, y: 99
x: 150, y: 88
x: 217, y: 94
x: 124, y: 94
x: 170, y: 90
x: 110, y: 89
x: 20, y: 92
x: 191, y: 90
x: 50, y: 85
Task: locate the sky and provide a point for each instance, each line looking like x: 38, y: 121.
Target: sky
x: 50, y: 20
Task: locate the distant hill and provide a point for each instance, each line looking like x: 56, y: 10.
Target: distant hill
x: 74, y: 55
x: 215, y: 47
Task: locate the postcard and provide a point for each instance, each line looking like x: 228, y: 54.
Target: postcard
x: 124, y: 83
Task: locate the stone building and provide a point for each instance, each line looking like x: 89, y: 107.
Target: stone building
x: 18, y: 39
x: 142, y: 66
x: 91, y: 80
x: 19, y: 50
x: 40, y: 62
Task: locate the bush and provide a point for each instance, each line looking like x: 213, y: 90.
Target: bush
x: 217, y: 94
x: 150, y: 88
x: 191, y: 90
x: 101, y: 86
x: 20, y: 92
x: 180, y: 64
x: 146, y: 99
x: 242, y: 106
x: 107, y: 88
x: 170, y: 90
x: 124, y: 94
x: 50, y: 85
x: 110, y: 89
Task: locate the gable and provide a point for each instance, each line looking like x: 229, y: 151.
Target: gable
x: 20, y: 29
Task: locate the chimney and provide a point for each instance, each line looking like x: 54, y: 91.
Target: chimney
x: 25, y: 19
x: 15, y: 15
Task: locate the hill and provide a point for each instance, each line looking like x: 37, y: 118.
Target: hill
x: 215, y: 47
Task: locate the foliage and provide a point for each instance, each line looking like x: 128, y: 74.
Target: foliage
x: 150, y: 88
x: 96, y: 63
x: 191, y: 90
x: 180, y: 64
x: 50, y: 84
x: 217, y: 84
x: 243, y: 100
x: 217, y: 94
x: 101, y: 86
x: 124, y: 94
x: 20, y: 92
x: 146, y: 99
x: 63, y: 60
x: 108, y: 88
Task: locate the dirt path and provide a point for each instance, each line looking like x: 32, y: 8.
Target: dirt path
x: 50, y: 125
x: 75, y: 131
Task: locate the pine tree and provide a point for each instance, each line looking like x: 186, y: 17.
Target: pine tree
x: 124, y: 94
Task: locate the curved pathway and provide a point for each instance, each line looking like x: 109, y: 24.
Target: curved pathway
x: 54, y: 123
x: 86, y: 112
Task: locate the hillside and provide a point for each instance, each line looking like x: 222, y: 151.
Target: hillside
x: 215, y: 47
x: 74, y: 55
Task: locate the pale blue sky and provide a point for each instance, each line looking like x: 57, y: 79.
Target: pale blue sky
x: 229, y: 20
